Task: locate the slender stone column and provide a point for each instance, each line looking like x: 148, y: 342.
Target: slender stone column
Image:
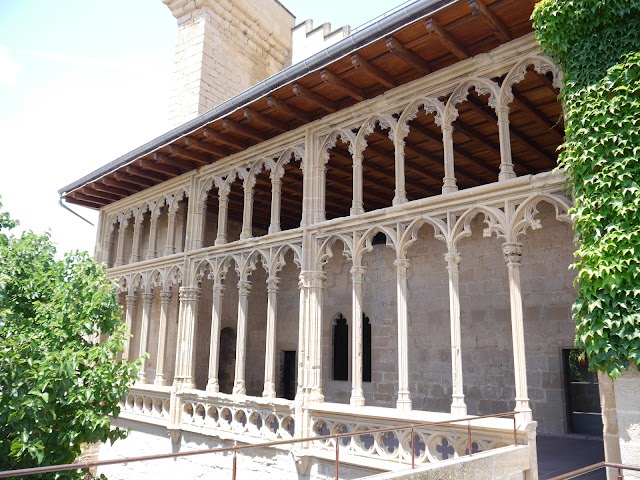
x: 106, y: 249
x: 276, y: 200
x: 506, y: 164
x: 247, y: 212
x: 185, y: 366
x: 244, y: 288
x: 199, y: 218
x: 357, y: 395
x: 404, y: 399
x: 357, y: 206
x: 458, y: 407
x: 223, y: 209
x: 147, y: 303
x: 320, y: 215
x: 170, y: 248
x: 214, y: 345
x: 152, y: 252
x: 130, y: 313
x: 513, y: 256
x: 316, y: 288
x: 400, y: 196
x: 270, y: 350
x: 165, y: 305
x: 303, y: 338
x: 135, y: 244
x: 449, y: 184
x: 120, y: 247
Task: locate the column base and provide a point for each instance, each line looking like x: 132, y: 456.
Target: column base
x: 524, y: 415
x: 506, y: 175
x: 244, y: 236
x: 356, y: 211
x: 142, y: 379
x: 399, y: 200
x: 316, y: 396
x: 449, y: 188
x: 220, y: 241
x: 458, y: 407
x: 269, y: 390
x: 213, y: 387
x: 404, y: 402
x: 238, y: 389
x: 357, y: 399
x: 160, y: 381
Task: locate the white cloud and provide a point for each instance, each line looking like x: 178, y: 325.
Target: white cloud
x: 9, y: 68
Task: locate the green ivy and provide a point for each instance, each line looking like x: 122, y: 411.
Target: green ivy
x: 58, y: 384
x: 596, y: 43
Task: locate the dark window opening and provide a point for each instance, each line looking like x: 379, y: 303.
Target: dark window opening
x: 366, y: 349
x: 379, y: 239
x: 340, y: 348
x: 289, y: 375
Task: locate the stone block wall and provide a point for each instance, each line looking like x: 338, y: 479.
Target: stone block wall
x: 224, y: 47
x: 487, y: 352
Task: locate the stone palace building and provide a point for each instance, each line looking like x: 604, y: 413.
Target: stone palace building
x: 346, y: 230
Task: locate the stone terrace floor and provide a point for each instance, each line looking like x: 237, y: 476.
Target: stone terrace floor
x: 561, y: 454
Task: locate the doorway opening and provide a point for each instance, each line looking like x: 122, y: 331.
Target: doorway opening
x: 582, y: 395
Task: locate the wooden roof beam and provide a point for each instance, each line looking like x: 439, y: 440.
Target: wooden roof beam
x: 323, y: 102
x: 244, y: 130
x: 85, y: 200
x: 142, y: 173
x: 527, y: 107
x: 265, y: 120
x: 199, y: 158
x: 446, y: 39
x: 100, y: 187
x: 378, y: 74
x: 141, y: 183
x: 459, y: 152
x: 478, y: 107
x: 347, y: 87
x: 225, y: 139
x: 112, y: 182
x: 413, y: 59
x: 159, y: 168
x: 205, y: 147
x: 100, y: 195
x: 276, y: 103
x: 499, y: 29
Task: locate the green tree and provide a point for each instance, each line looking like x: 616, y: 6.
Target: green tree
x: 597, y: 45
x: 58, y: 383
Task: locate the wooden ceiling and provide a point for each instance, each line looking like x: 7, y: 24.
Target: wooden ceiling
x: 458, y: 31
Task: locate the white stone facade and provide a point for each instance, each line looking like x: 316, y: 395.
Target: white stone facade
x: 468, y: 301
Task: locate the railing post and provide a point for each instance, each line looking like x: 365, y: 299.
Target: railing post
x: 235, y: 461
x: 469, y: 438
x: 413, y: 450
x: 515, y: 433
x: 337, y: 458
x: 619, y: 473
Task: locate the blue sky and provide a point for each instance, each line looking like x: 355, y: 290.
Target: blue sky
x: 82, y: 83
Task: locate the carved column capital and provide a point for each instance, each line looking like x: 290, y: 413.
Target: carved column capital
x: 218, y: 290
x: 147, y: 299
x: 166, y: 296
x: 131, y: 300
x: 317, y: 279
x: 512, y: 252
x: 189, y: 294
x: 453, y: 260
x: 244, y: 288
x: 272, y: 284
x: 357, y: 272
x: 402, y: 263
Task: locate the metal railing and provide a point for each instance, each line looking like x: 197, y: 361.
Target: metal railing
x: 236, y: 448
x: 597, y: 466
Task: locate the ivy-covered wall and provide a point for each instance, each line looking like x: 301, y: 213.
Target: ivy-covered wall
x: 596, y: 43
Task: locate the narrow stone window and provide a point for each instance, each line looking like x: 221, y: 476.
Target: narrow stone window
x: 379, y: 239
x: 366, y: 349
x: 340, y: 348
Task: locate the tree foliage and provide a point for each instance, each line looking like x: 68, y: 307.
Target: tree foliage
x: 58, y: 384
x: 597, y: 46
